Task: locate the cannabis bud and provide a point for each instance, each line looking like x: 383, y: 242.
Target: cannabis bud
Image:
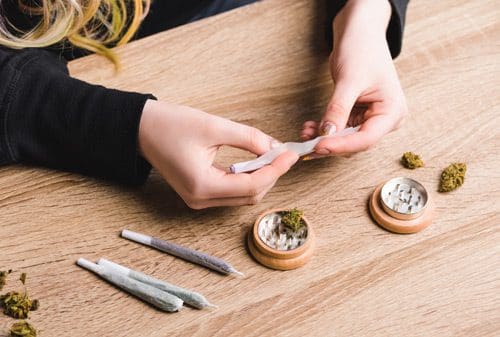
x: 452, y: 177
x: 411, y: 160
x: 22, y: 329
x: 17, y: 305
x: 292, y: 219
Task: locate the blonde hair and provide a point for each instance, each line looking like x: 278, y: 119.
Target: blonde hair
x: 94, y: 25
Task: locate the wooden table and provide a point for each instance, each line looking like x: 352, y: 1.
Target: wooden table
x: 265, y: 65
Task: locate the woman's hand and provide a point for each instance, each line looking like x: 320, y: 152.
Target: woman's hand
x: 367, y: 90
x: 181, y: 143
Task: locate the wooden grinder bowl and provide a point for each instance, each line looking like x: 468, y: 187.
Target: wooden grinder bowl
x: 280, y: 259
x: 395, y: 225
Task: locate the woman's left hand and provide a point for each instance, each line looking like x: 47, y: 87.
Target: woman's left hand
x: 367, y: 90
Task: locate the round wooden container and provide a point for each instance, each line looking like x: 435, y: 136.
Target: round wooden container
x: 280, y: 259
x: 395, y: 222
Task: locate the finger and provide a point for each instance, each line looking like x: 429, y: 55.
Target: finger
x: 244, y: 137
x: 309, y: 132
x: 306, y: 137
x: 225, y: 184
x: 310, y: 124
x: 370, y: 132
x: 234, y: 201
x: 270, y: 173
x: 309, y: 128
x: 339, y: 108
x: 223, y: 202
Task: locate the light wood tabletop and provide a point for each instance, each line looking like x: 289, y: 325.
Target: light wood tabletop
x: 266, y: 65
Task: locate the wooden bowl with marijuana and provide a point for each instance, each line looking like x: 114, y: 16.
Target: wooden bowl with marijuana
x: 282, y: 239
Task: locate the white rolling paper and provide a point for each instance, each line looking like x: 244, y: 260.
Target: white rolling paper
x: 301, y: 149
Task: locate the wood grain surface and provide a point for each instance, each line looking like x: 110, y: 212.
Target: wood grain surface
x: 266, y: 65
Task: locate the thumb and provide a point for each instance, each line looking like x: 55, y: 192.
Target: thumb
x: 247, y: 138
x: 339, y: 108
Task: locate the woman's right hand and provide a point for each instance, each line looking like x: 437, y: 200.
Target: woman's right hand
x: 181, y: 143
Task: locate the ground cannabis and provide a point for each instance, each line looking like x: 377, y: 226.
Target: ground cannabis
x: 22, y: 278
x: 3, y: 277
x: 452, y: 177
x: 273, y: 231
x: 292, y: 219
x: 22, y: 329
x: 17, y: 305
x: 411, y: 160
x: 35, y: 305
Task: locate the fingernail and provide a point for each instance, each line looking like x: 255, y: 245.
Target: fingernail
x: 275, y: 143
x: 322, y: 151
x: 328, y: 129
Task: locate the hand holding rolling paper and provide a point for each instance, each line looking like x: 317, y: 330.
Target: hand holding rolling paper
x: 300, y: 149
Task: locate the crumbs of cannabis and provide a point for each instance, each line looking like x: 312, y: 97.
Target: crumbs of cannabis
x: 452, y: 177
x: 411, y: 160
x: 22, y: 329
x: 292, y: 219
x: 18, y: 305
x: 3, y: 277
x: 22, y: 278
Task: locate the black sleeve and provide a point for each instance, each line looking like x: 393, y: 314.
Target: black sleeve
x: 395, y: 29
x: 50, y: 119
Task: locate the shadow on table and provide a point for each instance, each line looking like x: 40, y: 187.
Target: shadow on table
x: 159, y: 199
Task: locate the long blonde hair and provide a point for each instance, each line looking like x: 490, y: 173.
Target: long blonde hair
x: 94, y: 25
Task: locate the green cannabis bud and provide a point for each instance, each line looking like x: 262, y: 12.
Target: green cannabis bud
x: 292, y: 219
x: 17, y: 305
x: 3, y: 278
x: 452, y: 177
x: 411, y: 160
x: 22, y: 329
